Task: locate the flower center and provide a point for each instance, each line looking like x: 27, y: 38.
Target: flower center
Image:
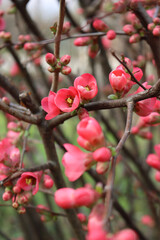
x: 87, y: 88
x: 69, y: 101
x: 30, y: 181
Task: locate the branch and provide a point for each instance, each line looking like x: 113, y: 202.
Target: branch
x: 111, y: 176
x: 57, y: 42
x: 21, y: 115
x: 109, y: 104
x: 29, y: 22
x: 27, y: 76
x: 9, y: 87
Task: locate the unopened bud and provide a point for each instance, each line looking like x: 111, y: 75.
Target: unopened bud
x: 65, y: 60
x: 51, y: 59
x: 66, y: 70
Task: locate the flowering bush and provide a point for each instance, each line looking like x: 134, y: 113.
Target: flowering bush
x: 80, y: 121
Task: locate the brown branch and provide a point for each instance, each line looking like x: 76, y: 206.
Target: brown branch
x: 26, y: 134
x: 111, y: 176
x: 9, y: 87
x: 57, y: 42
x: 21, y: 115
x: 48, y: 140
x: 153, y: 41
x: 109, y: 104
x: 46, y: 210
x: 29, y: 22
x: 27, y: 76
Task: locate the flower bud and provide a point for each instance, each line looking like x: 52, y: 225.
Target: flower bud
x: 66, y: 70
x: 99, y: 25
x: 111, y: 34
x: 65, y: 60
x: 51, y: 59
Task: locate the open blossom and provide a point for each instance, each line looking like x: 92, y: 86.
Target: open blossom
x: 75, y: 161
x: 86, y: 85
x: 29, y: 181
x: 48, y: 105
x: 146, y: 106
x: 90, y: 134
x: 67, y: 99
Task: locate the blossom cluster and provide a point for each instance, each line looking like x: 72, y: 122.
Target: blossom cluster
x: 69, y: 99
x: 92, y: 42
x: 91, y: 138
x: 26, y: 184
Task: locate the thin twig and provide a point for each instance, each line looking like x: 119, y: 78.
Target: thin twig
x: 111, y: 176
x: 57, y: 42
x: 26, y: 134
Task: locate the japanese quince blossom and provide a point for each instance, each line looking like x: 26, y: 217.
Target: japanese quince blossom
x: 48, y: 105
x: 126, y: 234
x: 75, y: 161
x: 90, y: 134
x: 29, y: 181
x: 121, y: 80
x: 153, y: 160
x: 95, y: 224
x: 146, y: 106
x: 9, y: 154
x: 68, y: 99
x: 69, y: 198
x: 86, y: 85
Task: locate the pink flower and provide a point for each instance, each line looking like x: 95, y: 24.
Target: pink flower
x: 49, y: 106
x: 67, y: 100
x: 82, y: 41
x: 118, y: 80
x: 96, y: 224
x: 157, y: 176
x: 137, y: 72
x: 85, y: 196
x: 147, y: 220
x: 154, y: 161
x: 146, y: 106
x: 102, y: 154
x: 111, y: 34
x: 64, y: 198
x: 29, y: 181
x: 75, y: 162
x: 47, y: 181
x: 126, y: 234
x: 5, y: 149
x: 86, y: 85
x: 14, y: 71
x: 90, y: 134
x: 99, y: 25
x: 2, y: 24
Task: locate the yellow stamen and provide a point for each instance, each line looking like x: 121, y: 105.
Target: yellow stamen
x: 69, y: 101
x: 87, y: 88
